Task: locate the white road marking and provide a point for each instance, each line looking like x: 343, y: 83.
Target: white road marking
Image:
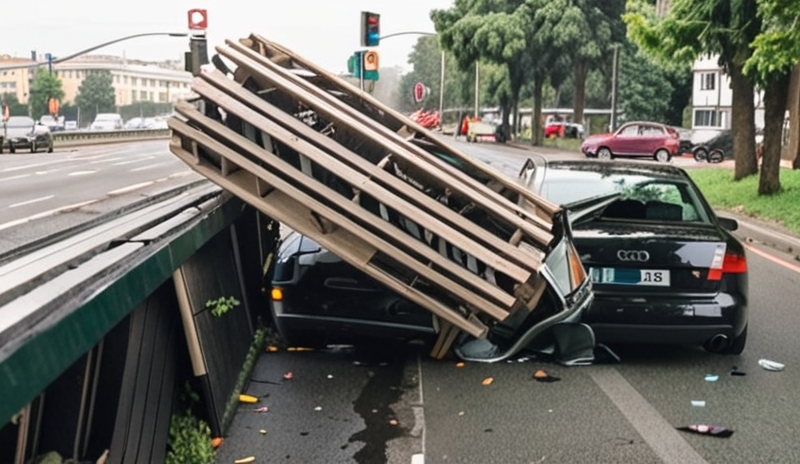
x: 45, y: 214
x: 130, y: 188
x: 22, y: 176
x: 35, y: 200
x: 419, y: 417
x: 143, y: 168
x: 34, y: 165
x: 134, y: 161
x: 80, y: 173
x: 659, y: 434
x: 107, y: 160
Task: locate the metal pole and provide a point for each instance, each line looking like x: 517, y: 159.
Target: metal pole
x: 441, y: 88
x: 361, y: 70
x: 477, y: 87
x: 614, y: 64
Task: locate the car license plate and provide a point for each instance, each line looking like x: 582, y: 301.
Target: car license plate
x: 610, y: 275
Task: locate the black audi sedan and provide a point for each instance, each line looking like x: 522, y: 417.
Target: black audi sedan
x: 665, y: 267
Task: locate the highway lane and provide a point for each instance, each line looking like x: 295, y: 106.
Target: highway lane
x: 42, y: 183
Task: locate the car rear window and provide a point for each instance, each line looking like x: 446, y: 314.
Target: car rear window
x: 642, y: 197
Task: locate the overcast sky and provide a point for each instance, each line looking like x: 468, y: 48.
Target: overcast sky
x: 324, y: 31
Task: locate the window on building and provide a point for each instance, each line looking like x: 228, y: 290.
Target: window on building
x: 133, y: 95
x: 162, y: 97
x: 142, y: 95
x: 152, y: 97
x: 707, y: 81
x: 135, y: 80
x: 125, y: 79
x: 705, y: 118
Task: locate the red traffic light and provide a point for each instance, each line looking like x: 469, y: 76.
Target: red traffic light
x: 198, y: 19
x: 370, y: 29
x: 53, y: 106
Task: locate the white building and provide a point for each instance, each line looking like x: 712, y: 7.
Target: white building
x: 712, y: 100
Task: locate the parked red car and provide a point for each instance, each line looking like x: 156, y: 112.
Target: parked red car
x: 635, y: 139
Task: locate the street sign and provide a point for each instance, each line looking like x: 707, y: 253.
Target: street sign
x: 53, y: 106
x: 360, y: 68
x: 420, y: 92
x: 6, y: 112
x: 198, y: 19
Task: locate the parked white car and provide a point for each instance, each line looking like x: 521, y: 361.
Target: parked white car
x: 106, y: 121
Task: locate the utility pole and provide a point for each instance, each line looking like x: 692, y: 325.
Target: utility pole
x: 441, y: 87
x: 614, y: 77
x: 477, y: 87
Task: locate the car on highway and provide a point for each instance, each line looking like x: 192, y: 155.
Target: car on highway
x: 634, y: 139
x: 563, y: 129
x: 106, y: 122
x: 665, y: 268
x: 22, y: 132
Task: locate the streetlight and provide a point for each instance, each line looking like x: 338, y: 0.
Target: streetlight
x: 91, y: 49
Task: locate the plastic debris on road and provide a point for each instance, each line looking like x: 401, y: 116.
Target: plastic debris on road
x: 698, y: 403
x: 711, y: 377
x: 711, y: 430
x: 542, y: 376
x: 318, y: 408
x: 299, y: 348
x: 262, y: 432
x: 261, y: 409
x: 216, y: 442
x: 735, y: 371
x: 488, y: 381
x: 770, y: 365
x: 288, y: 376
x: 247, y: 399
x: 459, y: 364
x: 393, y: 421
x: 272, y: 349
x: 246, y: 460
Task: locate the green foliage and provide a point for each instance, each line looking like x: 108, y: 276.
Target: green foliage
x: 15, y: 108
x: 44, y: 87
x: 644, y: 88
x: 776, y: 49
x: 222, y: 305
x: 742, y: 196
x: 189, y: 436
x: 253, y: 353
x: 96, y: 95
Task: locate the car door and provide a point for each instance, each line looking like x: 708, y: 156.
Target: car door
x: 652, y: 138
x: 626, y: 140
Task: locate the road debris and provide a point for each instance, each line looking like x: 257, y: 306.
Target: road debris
x: 488, y: 381
x: 393, y: 421
x: 246, y: 460
x: 288, y: 376
x: 272, y: 349
x: 318, y: 408
x: 712, y: 430
x: 247, y: 399
x: 261, y: 409
x: 216, y: 442
x: 262, y: 432
x: 460, y: 364
x: 698, y: 403
x: 711, y: 377
x: 770, y: 365
x: 542, y: 376
x: 735, y: 371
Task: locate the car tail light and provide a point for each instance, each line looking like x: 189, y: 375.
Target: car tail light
x: 576, y: 271
x: 276, y: 294
x: 726, y: 262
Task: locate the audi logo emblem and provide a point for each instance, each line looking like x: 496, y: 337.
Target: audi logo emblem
x: 639, y: 256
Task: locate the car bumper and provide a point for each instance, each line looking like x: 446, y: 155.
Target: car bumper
x: 20, y: 142
x: 666, y: 320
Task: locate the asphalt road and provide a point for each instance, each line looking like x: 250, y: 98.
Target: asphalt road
x: 383, y: 403
x: 43, y: 193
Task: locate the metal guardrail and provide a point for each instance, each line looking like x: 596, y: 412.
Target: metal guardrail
x: 77, y: 138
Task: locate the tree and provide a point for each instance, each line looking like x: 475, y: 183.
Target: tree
x: 717, y: 27
x: 426, y: 58
x: 96, y: 94
x: 644, y: 88
x: 44, y: 87
x: 776, y: 50
x: 15, y: 108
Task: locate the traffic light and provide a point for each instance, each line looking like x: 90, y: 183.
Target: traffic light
x: 371, y: 60
x: 370, y: 29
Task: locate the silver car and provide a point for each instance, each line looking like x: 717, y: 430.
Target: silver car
x: 22, y: 132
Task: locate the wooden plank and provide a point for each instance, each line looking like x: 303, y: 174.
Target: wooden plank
x: 447, y: 335
x: 468, y: 278
x: 355, y: 239
x: 334, y: 109
x: 343, y: 86
x: 294, y: 214
x: 497, y: 257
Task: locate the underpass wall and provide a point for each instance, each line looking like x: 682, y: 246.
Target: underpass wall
x: 155, y: 331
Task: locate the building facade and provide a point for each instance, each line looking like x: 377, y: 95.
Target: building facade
x: 712, y: 100
x: 133, y: 81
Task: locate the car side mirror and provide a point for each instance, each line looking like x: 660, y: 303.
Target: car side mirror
x: 728, y: 223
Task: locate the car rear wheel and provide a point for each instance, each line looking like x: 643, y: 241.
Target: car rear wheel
x: 33, y: 147
x: 12, y: 149
x: 662, y: 155
x: 604, y: 154
x: 700, y: 155
x: 716, y: 156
